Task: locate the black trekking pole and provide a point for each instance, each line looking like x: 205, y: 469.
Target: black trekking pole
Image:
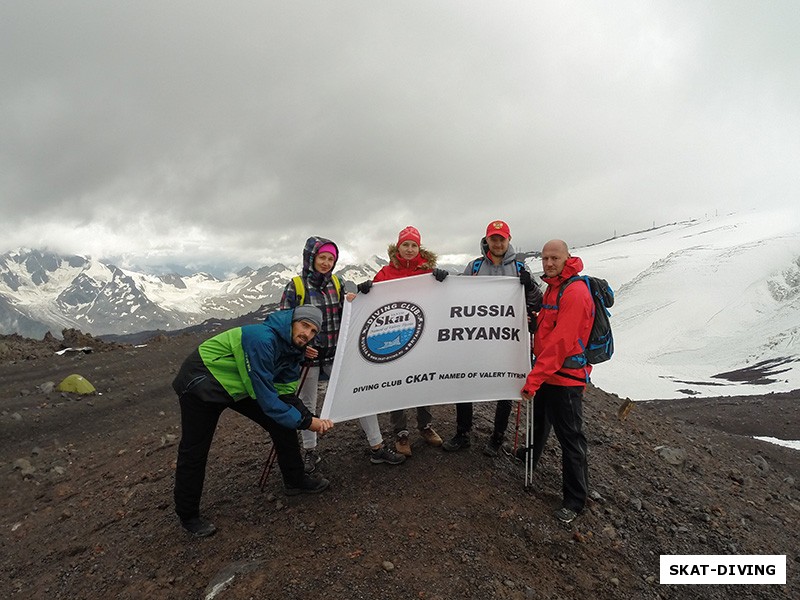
x: 529, y: 443
x: 267, y: 468
x: 262, y: 482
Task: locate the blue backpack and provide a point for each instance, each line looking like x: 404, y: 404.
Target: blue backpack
x: 600, y: 345
x: 476, y: 265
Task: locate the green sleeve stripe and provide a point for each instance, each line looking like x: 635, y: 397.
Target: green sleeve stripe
x: 286, y: 388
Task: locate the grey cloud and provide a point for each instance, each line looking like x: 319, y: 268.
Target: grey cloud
x: 246, y: 127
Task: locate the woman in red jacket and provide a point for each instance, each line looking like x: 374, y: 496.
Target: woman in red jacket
x: 408, y: 258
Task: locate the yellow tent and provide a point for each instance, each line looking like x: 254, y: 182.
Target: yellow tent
x: 76, y: 384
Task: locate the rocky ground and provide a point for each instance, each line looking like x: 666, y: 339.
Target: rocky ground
x: 87, y: 506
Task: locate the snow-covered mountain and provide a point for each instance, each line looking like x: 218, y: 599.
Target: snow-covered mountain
x: 359, y: 273
x: 708, y: 307
x: 41, y: 291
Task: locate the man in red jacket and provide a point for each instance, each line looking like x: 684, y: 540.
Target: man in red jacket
x: 559, y: 376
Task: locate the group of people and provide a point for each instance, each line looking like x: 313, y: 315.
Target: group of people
x: 271, y: 372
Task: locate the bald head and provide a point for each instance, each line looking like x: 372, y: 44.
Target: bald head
x: 558, y: 245
x: 554, y: 257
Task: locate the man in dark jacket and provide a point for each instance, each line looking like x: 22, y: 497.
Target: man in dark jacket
x: 497, y: 259
x: 253, y: 370
x: 558, y: 377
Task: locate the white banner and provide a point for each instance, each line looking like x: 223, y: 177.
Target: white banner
x: 418, y: 342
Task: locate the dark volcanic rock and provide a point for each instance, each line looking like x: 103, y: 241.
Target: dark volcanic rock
x: 87, y: 500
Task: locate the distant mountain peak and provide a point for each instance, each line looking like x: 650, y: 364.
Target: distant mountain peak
x: 42, y: 291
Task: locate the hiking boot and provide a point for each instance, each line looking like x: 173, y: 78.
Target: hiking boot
x: 431, y: 437
x: 309, y: 485
x: 520, y: 453
x: 565, y: 515
x: 198, y: 527
x: 402, y: 445
x: 311, y: 460
x: 492, y: 447
x: 458, y: 442
x: 384, y: 455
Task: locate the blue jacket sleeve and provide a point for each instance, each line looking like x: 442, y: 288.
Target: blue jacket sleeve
x: 261, y: 358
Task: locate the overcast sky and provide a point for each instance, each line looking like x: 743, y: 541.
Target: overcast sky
x: 200, y: 132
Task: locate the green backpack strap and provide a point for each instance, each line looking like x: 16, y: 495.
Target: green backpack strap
x: 300, y: 289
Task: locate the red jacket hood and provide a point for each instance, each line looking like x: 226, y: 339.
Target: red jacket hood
x: 573, y: 267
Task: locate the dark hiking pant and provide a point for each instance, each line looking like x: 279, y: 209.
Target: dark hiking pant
x: 464, y: 413
x: 560, y: 407
x: 501, y: 414
x: 399, y: 419
x: 463, y: 418
x: 201, y: 405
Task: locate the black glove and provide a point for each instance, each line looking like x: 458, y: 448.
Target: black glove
x: 364, y: 287
x: 440, y: 274
x: 533, y: 322
x: 525, y: 279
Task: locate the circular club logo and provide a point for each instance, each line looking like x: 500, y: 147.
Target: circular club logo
x: 391, y: 331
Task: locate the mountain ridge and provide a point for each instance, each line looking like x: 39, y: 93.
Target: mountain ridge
x: 43, y: 292
x: 696, y: 301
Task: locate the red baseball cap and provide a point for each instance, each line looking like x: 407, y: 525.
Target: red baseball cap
x: 498, y: 228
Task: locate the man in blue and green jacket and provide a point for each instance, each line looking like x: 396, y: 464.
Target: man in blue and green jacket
x: 253, y: 370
